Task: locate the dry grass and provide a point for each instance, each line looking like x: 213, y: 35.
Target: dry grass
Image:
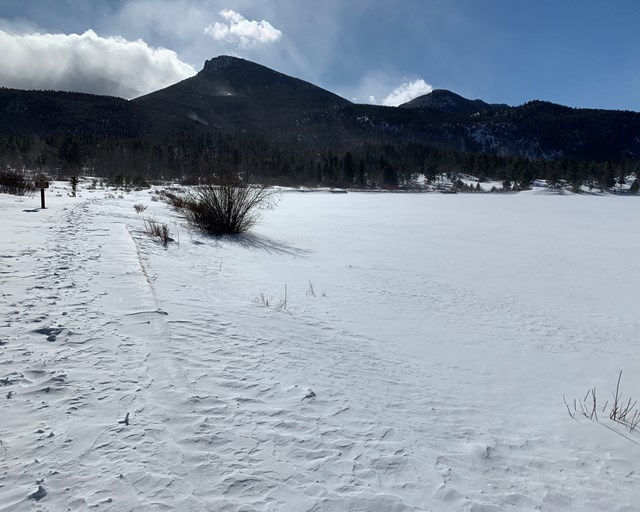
x: 159, y: 231
x: 139, y: 208
x: 622, y: 411
x: 16, y: 182
x: 269, y: 302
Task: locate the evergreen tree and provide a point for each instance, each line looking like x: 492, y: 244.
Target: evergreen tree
x: 389, y: 177
x: 349, y: 171
x: 608, y: 177
x: 361, y: 176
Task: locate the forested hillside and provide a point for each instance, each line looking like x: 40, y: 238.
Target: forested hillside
x: 242, y: 117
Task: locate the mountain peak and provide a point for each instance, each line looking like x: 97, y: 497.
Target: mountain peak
x: 231, y: 93
x: 223, y: 63
x: 444, y: 100
x: 236, y: 77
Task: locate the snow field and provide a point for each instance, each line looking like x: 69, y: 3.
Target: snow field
x: 424, y: 372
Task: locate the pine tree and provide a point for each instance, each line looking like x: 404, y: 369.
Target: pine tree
x: 348, y: 169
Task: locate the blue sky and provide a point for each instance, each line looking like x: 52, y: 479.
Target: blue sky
x: 578, y: 53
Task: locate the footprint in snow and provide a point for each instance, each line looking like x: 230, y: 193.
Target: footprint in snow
x: 39, y: 494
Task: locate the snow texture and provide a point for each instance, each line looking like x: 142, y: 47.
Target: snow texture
x: 413, y: 355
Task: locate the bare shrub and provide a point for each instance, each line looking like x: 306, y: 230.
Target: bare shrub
x: 74, y: 185
x: 13, y: 181
x: 157, y: 230
x: 229, y: 206
x: 177, y: 201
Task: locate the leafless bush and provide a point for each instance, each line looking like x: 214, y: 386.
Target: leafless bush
x: 74, y: 185
x: 228, y: 206
x: 177, y: 201
x: 16, y: 182
x: 173, y: 197
x: 157, y: 230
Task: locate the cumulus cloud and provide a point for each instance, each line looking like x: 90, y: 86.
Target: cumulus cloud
x: 378, y: 87
x: 239, y: 30
x: 87, y: 63
x: 406, y: 92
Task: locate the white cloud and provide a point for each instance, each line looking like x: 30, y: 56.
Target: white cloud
x: 241, y: 31
x: 374, y: 87
x: 87, y: 63
x: 406, y: 92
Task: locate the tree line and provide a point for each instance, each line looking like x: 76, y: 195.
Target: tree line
x: 366, y: 165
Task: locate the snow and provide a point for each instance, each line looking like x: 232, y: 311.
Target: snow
x: 485, y: 186
x: 420, y: 362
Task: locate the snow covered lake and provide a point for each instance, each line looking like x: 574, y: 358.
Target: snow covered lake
x: 360, y: 352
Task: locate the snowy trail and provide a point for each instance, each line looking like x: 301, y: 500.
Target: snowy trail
x: 403, y: 387
x: 91, y: 327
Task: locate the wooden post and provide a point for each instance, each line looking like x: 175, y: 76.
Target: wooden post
x: 42, y: 185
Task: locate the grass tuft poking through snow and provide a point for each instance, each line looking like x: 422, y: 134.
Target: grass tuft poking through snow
x: 269, y: 302
x: 158, y: 230
x: 623, y: 412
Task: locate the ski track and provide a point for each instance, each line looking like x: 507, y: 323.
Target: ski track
x: 216, y: 388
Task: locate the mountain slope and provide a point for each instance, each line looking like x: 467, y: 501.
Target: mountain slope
x: 47, y: 113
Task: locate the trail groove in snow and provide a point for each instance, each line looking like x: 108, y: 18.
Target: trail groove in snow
x: 88, y: 360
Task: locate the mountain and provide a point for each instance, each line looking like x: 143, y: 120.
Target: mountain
x: 47, y: 113
x: 537, y: 129
x: 241, y: 98
x: 442, y: 100
x: 228, y: 82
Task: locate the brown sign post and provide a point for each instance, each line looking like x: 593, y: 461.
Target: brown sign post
x: 42, y: 185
